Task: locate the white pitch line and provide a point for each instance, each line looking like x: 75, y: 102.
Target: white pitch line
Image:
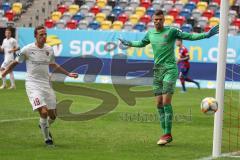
x: 17, y: 119
x: 231, y: 155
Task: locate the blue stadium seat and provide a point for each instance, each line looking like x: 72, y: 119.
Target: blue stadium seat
x: 117, y: 10
x: 150, y: 11
x: 140, y: 27
x: 94, y: 25
x: 6, y: 6
x: 187, y: 28
x: 185, y: 13
x: 190, y: 5
x: 217, y: 14
x: 79, y: 16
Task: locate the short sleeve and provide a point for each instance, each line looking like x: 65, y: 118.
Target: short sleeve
x: 21, y: 56
x: 52, y: 57
x: 15, y: 44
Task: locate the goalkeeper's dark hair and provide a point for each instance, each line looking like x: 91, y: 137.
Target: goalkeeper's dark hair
x: 38, y: 28
x: 158, y: 12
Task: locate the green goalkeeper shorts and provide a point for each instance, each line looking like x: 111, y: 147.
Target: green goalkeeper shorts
x: 164, y: 80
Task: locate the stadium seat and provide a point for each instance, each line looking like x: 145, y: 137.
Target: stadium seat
x: 10, y: 15
x: 123, y: 18
x: 145, y: 3
x: 217, y: 1
x: 180, y: 20
x: 106, y: 25
x: 156, y: 4
x: 208, y: 13
x: 49, y: 23
x: 90, y: 3
x: 106, y: 10
x: 207, y: 28
x: 117, y: 10
x: 233, y: 30
x: 145, y: 19
x: 140, y: 27
x: 128, y: 26
x: 10, y: 24
x: 134, y: 3
x: 95, y: 10
x: 117, y: 25
x: 123, y: 3
x: 60, y: 24
x: 129, y: 10
x: 187, y: 28
x: 17, y: 8
x: 66, y: 16
x: 134, y: 18
x: 213, y: 21
x: 197, y: 29
x: 185, y: 13
x: 111, y: 17
x: 101, y: 3
x: 213, y: 6
x: 73, y: 9
x: 168, y: 20
x: 6, y: 6
x: 3, y: 22
x: 80, y: 2
x: 179, y: 5
x: 83, y: 24
x: 184, y: 1
x: 191, y: 21
x: 176, y: 25
x: 78, y: 16
x: 100, y: 17
x: 89, y: 17
x: 56, y: 16
x: 112, y: 3
x: 72, y: 24
x: 62, y: 8
x: 232, y: 15
x: 2, y: 13
x: 217, y: 13
x: 94, y: 25
x: 203, y: 21
x: 236, y: 7
x: 150, y: 25
x: 190, y: 5
x: 140, y: 11
x: 231, y: 2
x: 150, y: 11
x: 202, y: 6
x: 196, y: 14
x: 168, y: 5
x: 173, y: 12
x: 84, y: 9
x: 68, y: 2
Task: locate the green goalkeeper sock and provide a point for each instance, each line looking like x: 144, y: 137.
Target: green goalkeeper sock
x: 168, y: 118
x: 162, y: 117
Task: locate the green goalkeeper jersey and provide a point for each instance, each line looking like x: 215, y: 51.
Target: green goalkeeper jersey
x: 163, y: 43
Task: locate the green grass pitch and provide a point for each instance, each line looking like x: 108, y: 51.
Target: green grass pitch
x: 126, y: 133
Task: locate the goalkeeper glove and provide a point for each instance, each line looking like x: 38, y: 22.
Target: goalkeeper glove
x: 214, y: 30
x: 125, y: 42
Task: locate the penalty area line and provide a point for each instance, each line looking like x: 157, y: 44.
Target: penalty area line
x: 17, y: 119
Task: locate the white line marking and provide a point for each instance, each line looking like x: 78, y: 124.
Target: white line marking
x: 17, y: 119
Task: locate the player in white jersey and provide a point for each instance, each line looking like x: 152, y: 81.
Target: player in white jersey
x: 39, y: 57
x: 9, y: 46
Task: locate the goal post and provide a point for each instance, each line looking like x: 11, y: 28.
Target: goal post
x: 221, y: 70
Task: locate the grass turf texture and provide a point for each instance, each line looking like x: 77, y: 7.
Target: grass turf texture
x: 125, y: 133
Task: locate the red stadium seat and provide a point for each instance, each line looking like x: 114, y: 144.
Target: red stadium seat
x: 145, y: 19
x: 173, y: 12
x: 95, y: 10
x: 123, y: 17
x: 62, y: 8
x: 10, y: 15
x: 236, y: 22
x: 72, y: 24
x: 146, y: 3
x: 208, y: 13
x: 49, y: 23
x: 207, y: 28
x: 217, y: 1
x: 180, y: 20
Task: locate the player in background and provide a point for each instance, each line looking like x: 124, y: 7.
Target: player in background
x: 39, y: 57
x: 9, y: 47
x: 162, y: 39
x: 184, y: 64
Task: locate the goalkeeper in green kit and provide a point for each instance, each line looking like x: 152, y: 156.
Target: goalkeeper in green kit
x: 165, y: 68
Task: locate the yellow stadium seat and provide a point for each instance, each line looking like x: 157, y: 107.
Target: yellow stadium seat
x: 73, y: 9
x: 117, y: 25
x: 56, y: 16
x: 213, y: 21
x: 100, y: 17
x: 134, y: 18
x: 202, y: 6
x: 17, y: 8
x: 101, y: 3
x: 140, y: 11
x: 184, y: 1
x: 168, y: 20
x: 106, y: 25
x: 231, y: 2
